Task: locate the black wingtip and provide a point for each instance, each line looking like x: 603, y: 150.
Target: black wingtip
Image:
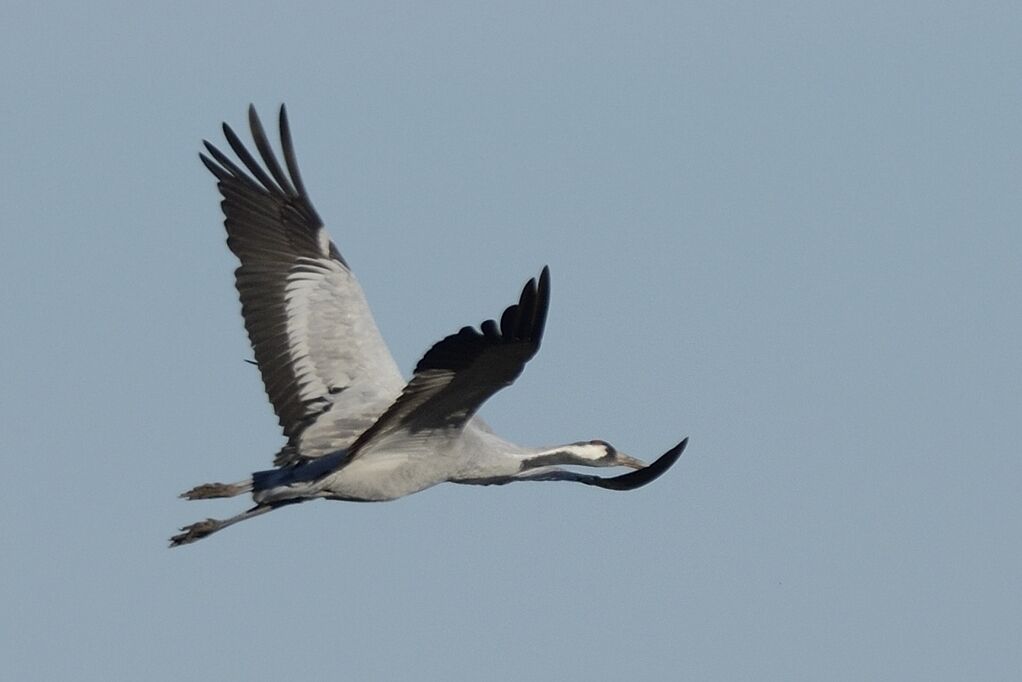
x: 253, y: 117
x: 212, y: 167
x: 290, y: 158
x: 637, y: 479
x: 543, y: 305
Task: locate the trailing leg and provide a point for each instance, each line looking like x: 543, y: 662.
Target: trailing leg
x: 208, y: 491
x: 201, y: 529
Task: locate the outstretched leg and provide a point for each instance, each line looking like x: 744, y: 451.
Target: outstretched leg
x: 201, y: 529
x: 208, y: 491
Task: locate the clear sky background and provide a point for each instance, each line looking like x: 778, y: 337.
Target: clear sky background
x: 790, y: 231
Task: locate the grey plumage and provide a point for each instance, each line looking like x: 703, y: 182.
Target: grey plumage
x: 354, y: 429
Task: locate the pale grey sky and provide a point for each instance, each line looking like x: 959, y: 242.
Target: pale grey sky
x: 790, y: 232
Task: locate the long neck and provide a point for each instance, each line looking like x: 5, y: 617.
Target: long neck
x: 490, y: 455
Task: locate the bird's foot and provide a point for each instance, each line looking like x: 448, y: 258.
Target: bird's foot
x: 196, y: 531
x: 208, y: 491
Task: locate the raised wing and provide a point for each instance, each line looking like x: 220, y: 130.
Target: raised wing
x: 315, y: 341
x: 459, y: 373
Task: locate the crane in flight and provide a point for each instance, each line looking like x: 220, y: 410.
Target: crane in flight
x: 355, y: 429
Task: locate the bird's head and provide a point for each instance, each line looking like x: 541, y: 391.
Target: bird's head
x: 588, y: 453
x: 599, y: 453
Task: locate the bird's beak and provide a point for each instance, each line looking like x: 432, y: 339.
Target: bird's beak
x: 630, y: 462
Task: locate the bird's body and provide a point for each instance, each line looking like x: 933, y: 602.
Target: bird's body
x: 392, y: 473
x: 356, y: 431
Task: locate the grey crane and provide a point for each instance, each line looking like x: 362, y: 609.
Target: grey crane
x: 355, y: 430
